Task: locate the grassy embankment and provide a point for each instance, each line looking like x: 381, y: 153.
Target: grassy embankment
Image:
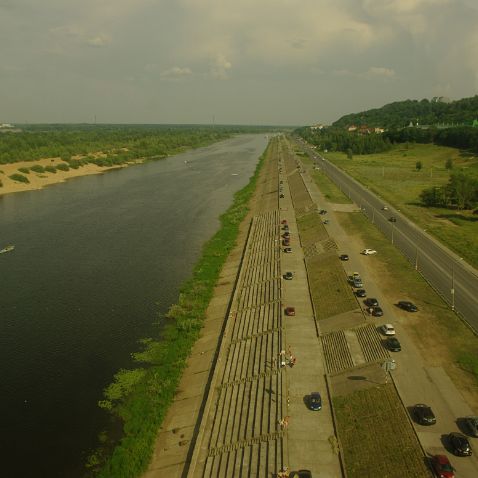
x: 393, y: 175
x: 142, y: 396
x: 376, y: 435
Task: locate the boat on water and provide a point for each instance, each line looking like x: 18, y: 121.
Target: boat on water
x: 8, y: 248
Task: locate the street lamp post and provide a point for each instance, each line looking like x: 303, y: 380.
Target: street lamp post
x: 452, y: 287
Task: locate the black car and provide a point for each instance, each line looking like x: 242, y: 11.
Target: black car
x: 423, y: 414
x: 377, y: 311
x: 344, y: 257
x: 301, y: 474
x: 459, y: 444
x: 315, y: 401
x: 288, y: 275
x: 361, y: 293
x: 393, y: 344
x: 281, y: 195
x: 408, y: 306
x: 393, y: 219
x: 471, y: 424
x: 322, y: 211
x: 287, y: 249
x: 371, y: 302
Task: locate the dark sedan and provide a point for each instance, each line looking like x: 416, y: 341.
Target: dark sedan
x: 344, y: 257
x: 315, y: 401
x: 459, y: 444
x: 408, y: 306
x: 371, y: 302
x: 471, y: 424
x: 423, y: 414
x: 377, y: 311
x: 393, y: 344
x: 361, y: 293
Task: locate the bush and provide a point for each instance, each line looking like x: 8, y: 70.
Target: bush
x: 50, y: 169
x: 24, y: 170
x: 20, y: 178
x: 62, y: 167
x: 37, y: 168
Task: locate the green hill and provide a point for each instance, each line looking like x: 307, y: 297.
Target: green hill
x: 426, y: 112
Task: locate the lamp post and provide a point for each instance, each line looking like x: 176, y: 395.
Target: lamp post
x: 452, y: 291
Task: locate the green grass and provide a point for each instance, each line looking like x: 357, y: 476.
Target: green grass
x: 376, y: 436
x: 19, y: 178
x: 311, y: 229
x: 459, y: 346
x: 141, y: 397
x: 393, y: 176
x: 329, y: 288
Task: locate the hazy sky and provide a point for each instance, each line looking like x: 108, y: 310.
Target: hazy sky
x: 241, y: 61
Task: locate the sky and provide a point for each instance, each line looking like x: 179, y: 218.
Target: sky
x: 280, y: 62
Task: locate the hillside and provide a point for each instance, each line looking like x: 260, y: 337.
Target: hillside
x: 426, y: 112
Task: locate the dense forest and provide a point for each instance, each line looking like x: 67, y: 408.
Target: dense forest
x: 119, y: 143
x: 424, y: 112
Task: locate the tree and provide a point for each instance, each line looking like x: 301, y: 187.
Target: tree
x: 463, y: 189
x: 418, y: 165
x: 449, y: 163
x: 349, y: 153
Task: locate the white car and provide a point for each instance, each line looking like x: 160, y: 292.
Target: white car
x: 387, y: 329
x: 368, y: 252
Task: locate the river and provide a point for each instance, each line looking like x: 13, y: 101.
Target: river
x: 96, y: 259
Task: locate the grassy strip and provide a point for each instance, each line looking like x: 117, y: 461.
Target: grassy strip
x: 311, y: 229
x: 376, y: 436
x: 394, y: 176
x: 450, y: 340
x: 142, y: 396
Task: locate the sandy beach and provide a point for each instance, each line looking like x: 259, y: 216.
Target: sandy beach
x: 40, y: 180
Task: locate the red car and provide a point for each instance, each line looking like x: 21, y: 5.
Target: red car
x: 442, y: 467
x: 284, y: 221
x: 290, y: 311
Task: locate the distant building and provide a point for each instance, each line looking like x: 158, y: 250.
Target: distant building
x: 441, y: 99
x: 6, y: 125
x: 316, y: 127
x: 379, y: 130
x: 352, y: 128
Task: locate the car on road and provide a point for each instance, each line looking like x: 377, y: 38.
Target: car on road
x: 286, y: 234
x: 369, y: 252
x: 423, y: 414
x: 387, y: 329
x: 315, y: 401
x: 459, y: 444
x: 284, y: 221
x: 300, y: 474
x: 325, y: 222
x: 344, y: 257
x: 392, y: 219
x: 288, y: 275
x: 286, y: 242
x: 408, y: 306
x: 281, y: 196
x: 357, y: 280
x: 384, y: 208
x: 322, y: 211
x: 393, y: 344
x: 471, y: 425
x: 361, y: 293
x: 287, y: 250
x: 376, y: 311
x: 371, y: 302
x: 442, y: 467
x: 285, y: 227
x: 290, y: 311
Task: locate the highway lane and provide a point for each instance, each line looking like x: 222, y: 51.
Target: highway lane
x: 454, y: 279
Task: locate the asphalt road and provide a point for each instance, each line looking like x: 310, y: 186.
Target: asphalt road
x: 454, y: 279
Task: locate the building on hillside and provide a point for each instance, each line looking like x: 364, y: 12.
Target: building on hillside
x: 351, y: 128
x: 6, y: 125
x: 379, y: 130
x: 316, y: 127
x: 441, y: 99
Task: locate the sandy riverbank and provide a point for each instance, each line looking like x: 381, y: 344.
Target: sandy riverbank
x: 40, y: 180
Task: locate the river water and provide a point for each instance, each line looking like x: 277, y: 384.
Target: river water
x: 95, y: 260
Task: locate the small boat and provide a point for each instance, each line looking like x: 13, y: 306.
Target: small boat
x: 7, y: 249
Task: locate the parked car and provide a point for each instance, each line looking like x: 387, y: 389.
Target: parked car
x: 325, y: 222
x: 408, y: 306
x: 361, y: 293
x: 315, y: 401
x: 471, y: 424
x: 393, y: 219
x: 301, y: 474
x: 423, y: 414
x: 284, y: 221
x: 459, y: 444
x: 286, y: 242
x: 281, y: 196
x: 387, y: 329
x: 344, y: 257
x: 357, y: 280
x: 322, y: 211
x: 384, y: 208
x: 393, y: 344
x: 290, y: 311
x: 442, y: 467
x: 369, y: 252
x: 286, y: 234
x: 376, y: 311
x: 287, y: 250
x: 288, y: 275
x: 371, y: 302
x: 285, y: 227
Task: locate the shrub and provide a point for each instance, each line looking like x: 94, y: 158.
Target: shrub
x: 24, y: 170
x: 63, y: 167
x: 37, y: 168
x: 50, y: 169
x: 19, y: 177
